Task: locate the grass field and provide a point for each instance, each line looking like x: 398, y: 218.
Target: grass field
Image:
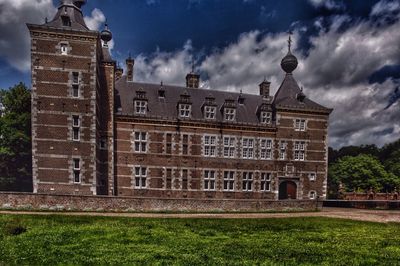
x: 72, y: 240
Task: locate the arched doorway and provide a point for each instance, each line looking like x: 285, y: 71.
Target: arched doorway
x: 287, y: 190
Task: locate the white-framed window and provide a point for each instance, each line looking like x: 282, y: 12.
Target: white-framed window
x: 209, y: 180
x: 299, y: 150
x: 209, y: 112
x: 140, y: 142
x: 229, y: 147
x: 168, y: 143
x: 265, y: 182
x: 168, y: 178
x: 312, y: 194
x: 140, y: 107
x: 185, y: 144
x: 64, y: 48
x: 184, y: 178
x: 76, y: 170
x: 247, y: 181
x: 76, y: 124
x: 75, y: 84
x: 210, y: 145
x: 229, y: 114
x: 140, y: 177
x: 282, y: 150
x: 300, y: 124
x: 247, y: 148
x: 229, y: 180
x: 265, y: 149
x: 312, y: 176
x: 185, y: 110
x: 266, y: 118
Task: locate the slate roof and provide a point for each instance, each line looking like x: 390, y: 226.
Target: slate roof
x: 67, y: 8
x: 167, y: 108
x: 286, y: 97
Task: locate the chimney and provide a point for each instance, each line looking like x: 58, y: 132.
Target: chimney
x: 192, y: 79
x: 129, y: 68
x: 118, y: 73
x: 264, y: 88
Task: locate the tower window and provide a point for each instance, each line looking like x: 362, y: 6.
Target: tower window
x: 300, y: 125
x: 299, y: 150
x: 140, y: 177
x: 77, y: 170
x: 140, y: 142
x: 64, y: 48
x: 75, y: 84
x: 76, y: 123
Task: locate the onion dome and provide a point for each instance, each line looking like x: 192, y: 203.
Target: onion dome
x: 289, y: 62
x: 106, y: 35
x: 79, y: 3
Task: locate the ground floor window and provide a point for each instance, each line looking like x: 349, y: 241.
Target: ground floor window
x: 209, y: 180
x: 140, y: 177
x: 265, y: 182
x: 229, y: 180
x: 247, y: 181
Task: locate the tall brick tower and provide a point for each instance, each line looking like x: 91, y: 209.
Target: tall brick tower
x: 67, y: 59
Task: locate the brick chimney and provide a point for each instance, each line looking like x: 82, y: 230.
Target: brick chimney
x: 118, y: 72
x: 129, y: 69
x: 264, y: 88
x: 192, y: 79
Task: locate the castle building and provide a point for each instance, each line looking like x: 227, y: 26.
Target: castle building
x: 96, y: 131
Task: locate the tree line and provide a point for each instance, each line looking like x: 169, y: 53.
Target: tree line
x: 354, y: 168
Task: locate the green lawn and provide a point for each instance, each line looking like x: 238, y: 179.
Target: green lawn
x: 75, y: 240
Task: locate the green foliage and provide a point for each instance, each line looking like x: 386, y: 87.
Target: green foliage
x: 362, y: 173
x: 62, y: 240
x: 383, y: 175
x: 15, y: 136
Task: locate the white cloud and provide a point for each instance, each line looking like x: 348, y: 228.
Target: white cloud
x: 329, y: 4
x: 384, y: 7
x: 169, y: 67
x: 96, y: 20
x: 334, y: 72
x: 14, y: 35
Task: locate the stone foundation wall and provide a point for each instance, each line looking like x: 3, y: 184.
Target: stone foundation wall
x: 28, y: 201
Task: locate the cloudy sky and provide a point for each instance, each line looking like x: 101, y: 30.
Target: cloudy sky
x: 348, y: 51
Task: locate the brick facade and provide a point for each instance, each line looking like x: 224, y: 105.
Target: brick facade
x: 96, y: 132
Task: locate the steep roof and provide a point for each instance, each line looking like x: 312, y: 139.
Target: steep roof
x: 287, y: 97
x: 167, y: 107
x: 67, y: 9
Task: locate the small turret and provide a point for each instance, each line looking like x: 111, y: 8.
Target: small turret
x: 106, y: 35
x: 192, y: 79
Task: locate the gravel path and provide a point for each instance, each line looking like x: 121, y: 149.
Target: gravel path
x: 381, y: 216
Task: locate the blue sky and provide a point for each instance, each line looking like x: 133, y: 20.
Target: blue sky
x: 348, y: 50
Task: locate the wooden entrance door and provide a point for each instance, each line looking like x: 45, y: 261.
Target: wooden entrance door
x: 287, y: 190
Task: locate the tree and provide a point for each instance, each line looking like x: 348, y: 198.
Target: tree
x: 15, y: 137
x: 362, y: 172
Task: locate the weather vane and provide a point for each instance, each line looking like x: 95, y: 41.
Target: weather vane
x: 290, y: 40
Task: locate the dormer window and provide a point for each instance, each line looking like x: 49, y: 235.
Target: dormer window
x: 140, y: 102
x: 266, y: 118
x: 161, y: 93
x: 209, y: 112
x: 140, y: 107
x: 66, y: 21
x: 185, y: 110
x: 229, y: 114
